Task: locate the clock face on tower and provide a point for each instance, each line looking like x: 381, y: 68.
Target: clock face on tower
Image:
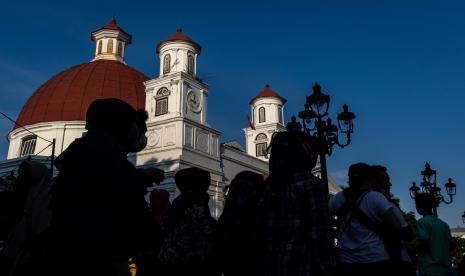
x: 194, y: 101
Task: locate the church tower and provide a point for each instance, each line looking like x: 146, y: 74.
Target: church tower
x: 177, y: 92
x: 267, y: 118
x: 111, y: 42
x: 179, y: 134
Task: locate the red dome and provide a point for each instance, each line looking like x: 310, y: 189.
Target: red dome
x: 179, y: 36
x: 67, y: 95
x: 267, y: 92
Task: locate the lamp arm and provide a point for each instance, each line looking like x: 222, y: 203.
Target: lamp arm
x: 450, y: 200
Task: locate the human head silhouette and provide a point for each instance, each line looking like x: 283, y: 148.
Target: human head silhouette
x: 192, y: 180
x: 380, y: 180
x: 292, y: 151
x: 120, y: 120
x: 359, y: 176
x: 159, y: 200
x: 425, y: 203
x: 246, y: 184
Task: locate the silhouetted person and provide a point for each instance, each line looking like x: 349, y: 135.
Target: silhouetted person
x: 364, y: 215
x: 27, y: 242
x: 187, y: 246
x: 296, y: 216
x: 159, y: 204
x: 434, y: 239
x: 100, y: 216
x: 237, y: 226
x: 395, y: 244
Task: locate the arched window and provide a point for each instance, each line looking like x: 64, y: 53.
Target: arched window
x: 261, y: 144
x: 166, y: 64
x: 190, y: 64
x: 28, y: 145
x: 261, y: 137
x: 99, y: 47
x: 161, y: 101
x: 110, y: 46
x: 280, y: 115
x: 120, y: 48
x: 261, y: 115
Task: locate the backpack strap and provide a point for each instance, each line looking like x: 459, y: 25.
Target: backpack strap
x: 347, y: 206
x: 366, y: 221
x: 391, y: 244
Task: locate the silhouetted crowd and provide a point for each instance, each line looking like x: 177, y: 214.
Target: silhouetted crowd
x: 93, y: 218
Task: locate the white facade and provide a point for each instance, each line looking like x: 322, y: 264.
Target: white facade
x: 179, y: 135
x: 64, y: 133
x: 267, y: 118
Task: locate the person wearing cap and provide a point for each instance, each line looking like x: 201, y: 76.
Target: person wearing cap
x: 99, y: 214
x: 434, y: 237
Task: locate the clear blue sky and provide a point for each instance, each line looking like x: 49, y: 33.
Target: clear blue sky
x: 400, y: 65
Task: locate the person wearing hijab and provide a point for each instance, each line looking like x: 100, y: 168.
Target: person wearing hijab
x: 99, y: 215
x: 188, y: 241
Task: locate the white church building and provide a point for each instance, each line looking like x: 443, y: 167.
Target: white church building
x: 179, y: 135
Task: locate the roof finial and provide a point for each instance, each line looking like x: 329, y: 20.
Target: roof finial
x: 179, y: 30
x: 267, y: 85
x: 112, y: 24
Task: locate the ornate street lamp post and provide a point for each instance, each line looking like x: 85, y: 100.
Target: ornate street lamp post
x: 429, y: 186
x: 315, y: 123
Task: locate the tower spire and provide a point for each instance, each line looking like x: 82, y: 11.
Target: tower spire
x: 111, y: 42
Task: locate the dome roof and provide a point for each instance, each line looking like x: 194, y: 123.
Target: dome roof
x: 179, y: 36
x: 268, y: 93
x: 67, y: 95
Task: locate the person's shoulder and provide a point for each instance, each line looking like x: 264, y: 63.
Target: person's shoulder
x: 339, y: 196
x: 376, y: 201
x: 337, y: 199
x: 426, y: 221
x: 305, y: 183
x: 377, y: 196
x: 305, y: 178
x: 443, y: 223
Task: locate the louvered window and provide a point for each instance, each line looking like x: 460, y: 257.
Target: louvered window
x: 28, y: 146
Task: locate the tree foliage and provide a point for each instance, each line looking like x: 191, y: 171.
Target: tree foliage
x: 458, y: 250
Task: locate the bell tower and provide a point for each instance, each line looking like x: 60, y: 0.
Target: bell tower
x: 177, y: 92
x: 178, y: 53
x: 111, y: 42
x: 267, y: 118
x: 179, y: 134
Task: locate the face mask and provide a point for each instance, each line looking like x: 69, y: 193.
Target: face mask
x: 136, y: 139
